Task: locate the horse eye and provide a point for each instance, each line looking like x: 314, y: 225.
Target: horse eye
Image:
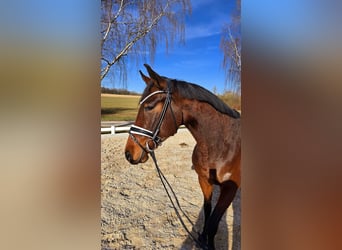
x: 148, y: 108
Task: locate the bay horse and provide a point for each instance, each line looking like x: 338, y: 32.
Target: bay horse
x: 164, y: 106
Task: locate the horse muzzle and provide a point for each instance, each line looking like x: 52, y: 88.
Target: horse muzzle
x: 136, y: 150
x: 142, y: 158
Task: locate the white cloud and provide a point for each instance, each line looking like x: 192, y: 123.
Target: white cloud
x: 207, y: 19
x: 199, y: 3
x: 202, y: 31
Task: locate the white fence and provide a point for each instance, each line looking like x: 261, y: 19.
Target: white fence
x: 114, y: 128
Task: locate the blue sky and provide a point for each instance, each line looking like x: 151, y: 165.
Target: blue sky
x: 199, y: 60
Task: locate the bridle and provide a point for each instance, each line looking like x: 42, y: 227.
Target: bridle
x: 153, y: 135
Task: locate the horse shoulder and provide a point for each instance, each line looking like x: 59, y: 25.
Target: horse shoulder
x: 200, y: 158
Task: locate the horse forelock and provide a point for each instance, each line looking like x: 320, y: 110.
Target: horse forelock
x: 149, y: 88
x: 146, y: 92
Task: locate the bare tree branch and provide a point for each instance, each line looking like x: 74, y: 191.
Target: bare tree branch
x: 236, y: 57
x: 130, y: 27
x: 231, y: 47
x: 138, y: 36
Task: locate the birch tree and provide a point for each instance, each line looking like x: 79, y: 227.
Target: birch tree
x: 132, y: 29
x: 231, y: 47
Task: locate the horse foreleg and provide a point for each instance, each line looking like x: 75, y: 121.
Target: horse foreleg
x: 207, y: 190
x: 227, y: 193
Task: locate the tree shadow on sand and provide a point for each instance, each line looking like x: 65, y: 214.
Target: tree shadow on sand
x: 222, y: 236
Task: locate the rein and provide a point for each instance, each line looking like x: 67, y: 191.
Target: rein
x: 153, y: 135
x: 176, y: 206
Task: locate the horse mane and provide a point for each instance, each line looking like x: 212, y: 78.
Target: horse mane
x: 194, y: 91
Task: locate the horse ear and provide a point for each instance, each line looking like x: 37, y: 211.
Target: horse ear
x: 154, y: 76
x: 146, y: 79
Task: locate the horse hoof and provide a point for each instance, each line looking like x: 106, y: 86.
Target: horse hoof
x: 203, y: 242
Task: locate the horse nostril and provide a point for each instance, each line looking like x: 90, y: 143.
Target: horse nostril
x: 128, y: 156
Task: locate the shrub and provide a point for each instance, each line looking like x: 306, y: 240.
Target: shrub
x: 232, y: 99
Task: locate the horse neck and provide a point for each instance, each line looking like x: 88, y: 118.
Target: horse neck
x: 205, y: 123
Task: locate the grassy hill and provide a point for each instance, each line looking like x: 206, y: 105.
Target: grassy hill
x: 119, y: 107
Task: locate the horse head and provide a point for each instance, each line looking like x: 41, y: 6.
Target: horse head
x: 158, y: 117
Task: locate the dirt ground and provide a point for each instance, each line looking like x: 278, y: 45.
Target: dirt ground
x: 135, y: 210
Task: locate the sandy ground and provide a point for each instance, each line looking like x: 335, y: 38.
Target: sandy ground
x: 136, y: 212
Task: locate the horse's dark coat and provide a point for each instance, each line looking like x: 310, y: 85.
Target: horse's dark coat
x: 214, y: 125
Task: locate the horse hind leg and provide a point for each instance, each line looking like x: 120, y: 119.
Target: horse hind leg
x: 227, y: 193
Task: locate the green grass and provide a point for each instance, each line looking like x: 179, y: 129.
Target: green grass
x: 119, y: 107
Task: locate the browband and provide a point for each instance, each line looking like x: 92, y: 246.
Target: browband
x: 153, y: 93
